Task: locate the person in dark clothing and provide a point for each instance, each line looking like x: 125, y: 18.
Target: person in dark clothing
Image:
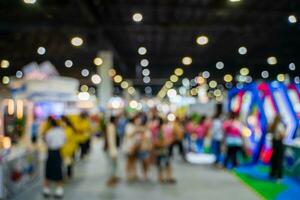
x: 278, y: 130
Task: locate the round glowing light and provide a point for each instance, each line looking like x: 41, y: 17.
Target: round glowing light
x: 29, y: 1
x: 142, y: 50
x: 194, y: 91
x: 292, y: 66
x: 124, y: 85
x: 186, y: 82
x: 118, y: 78
x: 217, y: 93
x: 244, y: 71
x: 171, y: 93
x: 131, y: 90
x: 76, y: 41
x: 171, y: 117
x: 85, y: 72
x: 219, y: 65
x: 242, y: 50
x: 83, y: 96
x: 213, y: 84
x: 146, y: 72
x: 178, y: 71
x: 68, y: 63
x: 234, y: 1
x: 174, y: 78
x: 228, y: 78
x: 202, y: 40
x: 92, y: 90
x: 182, y: 90
x: 246, y: 132
x: 112, y: 72
x: 133, y: 104
x: 200, y: 80
x: 41, y: 50
x: 297, y: 79
x: 5, y: 80
x: 249, y: 79
x: 19, y: 74
x: 96, y: 79
x: 265, y: 74
x: 146, y: 79
x: 169, y: 84
x: 4, y: 63
x: 206, y: 74
x: 144, y: 62
x: 98, y: 61
x: 148, y: 90
x: 280, y: 77
x: 84, y: 88
x: 292, y: 19
x: 137, y: 17
x: 272, y: 60
x: 187, y: 60
x: 194, y: 81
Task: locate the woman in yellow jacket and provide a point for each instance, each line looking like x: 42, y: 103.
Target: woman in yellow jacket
x: 83, y: 134
x: 69, y: 149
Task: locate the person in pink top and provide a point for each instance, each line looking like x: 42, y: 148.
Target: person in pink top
x: 233, y: 139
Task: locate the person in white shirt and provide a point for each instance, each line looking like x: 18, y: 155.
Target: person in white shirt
x: 217, y: 136
x: 55, y: 139
x: 111, y: 148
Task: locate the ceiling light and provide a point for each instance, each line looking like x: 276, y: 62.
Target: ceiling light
x: 228, y: 78
x: 187, y: 60
x: 174, y: 78
x: 98, y: 61
x: 146, y: 72
x: 131, y: 90
x: 144, y: 62
x: 29, y: 1
x: 68, y: 63
x: 85, y: 72
x: 202, y: 40
x: 292, y: 66
x: 234, y: 1
x: 137, y: 17
x: 142, y: 50
x: 112, y: 72
x: 19, y: 74
x: 206, y: 74
x: 244, y: 71
x: 172, y: 93
x: 41, y: 50
x: 292, y: 19
x: 5, y: 80
x: 146, y: 79
x: 148, y: 90
x: 178, y: 71
x: 280, y: 77
x: 96, y: 79
x: 219, y: 65
x: 84, y: 88
x: 212, y: 84
x: 124, y: 84
x: 118, y: 78
x: 243, y: 50
x: 4, y: 64
x: 272, y: 60
x: 76, y: 41
x: 265, y: 74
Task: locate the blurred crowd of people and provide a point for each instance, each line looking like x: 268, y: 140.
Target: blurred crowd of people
x: 149, y: 139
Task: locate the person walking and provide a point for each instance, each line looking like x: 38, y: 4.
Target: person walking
x: 217, y: 137
x: 233, y: 139
x: 178, y: 136
x: 278, y: 131
x: 111, y: 149
x: 55, y: 139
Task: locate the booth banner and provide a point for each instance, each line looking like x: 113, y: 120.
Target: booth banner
x: 292, y: 161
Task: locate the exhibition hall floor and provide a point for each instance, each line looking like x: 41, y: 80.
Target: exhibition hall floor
x: 194, y: 182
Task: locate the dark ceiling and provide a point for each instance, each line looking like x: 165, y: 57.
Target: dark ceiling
x: 168, y: 31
